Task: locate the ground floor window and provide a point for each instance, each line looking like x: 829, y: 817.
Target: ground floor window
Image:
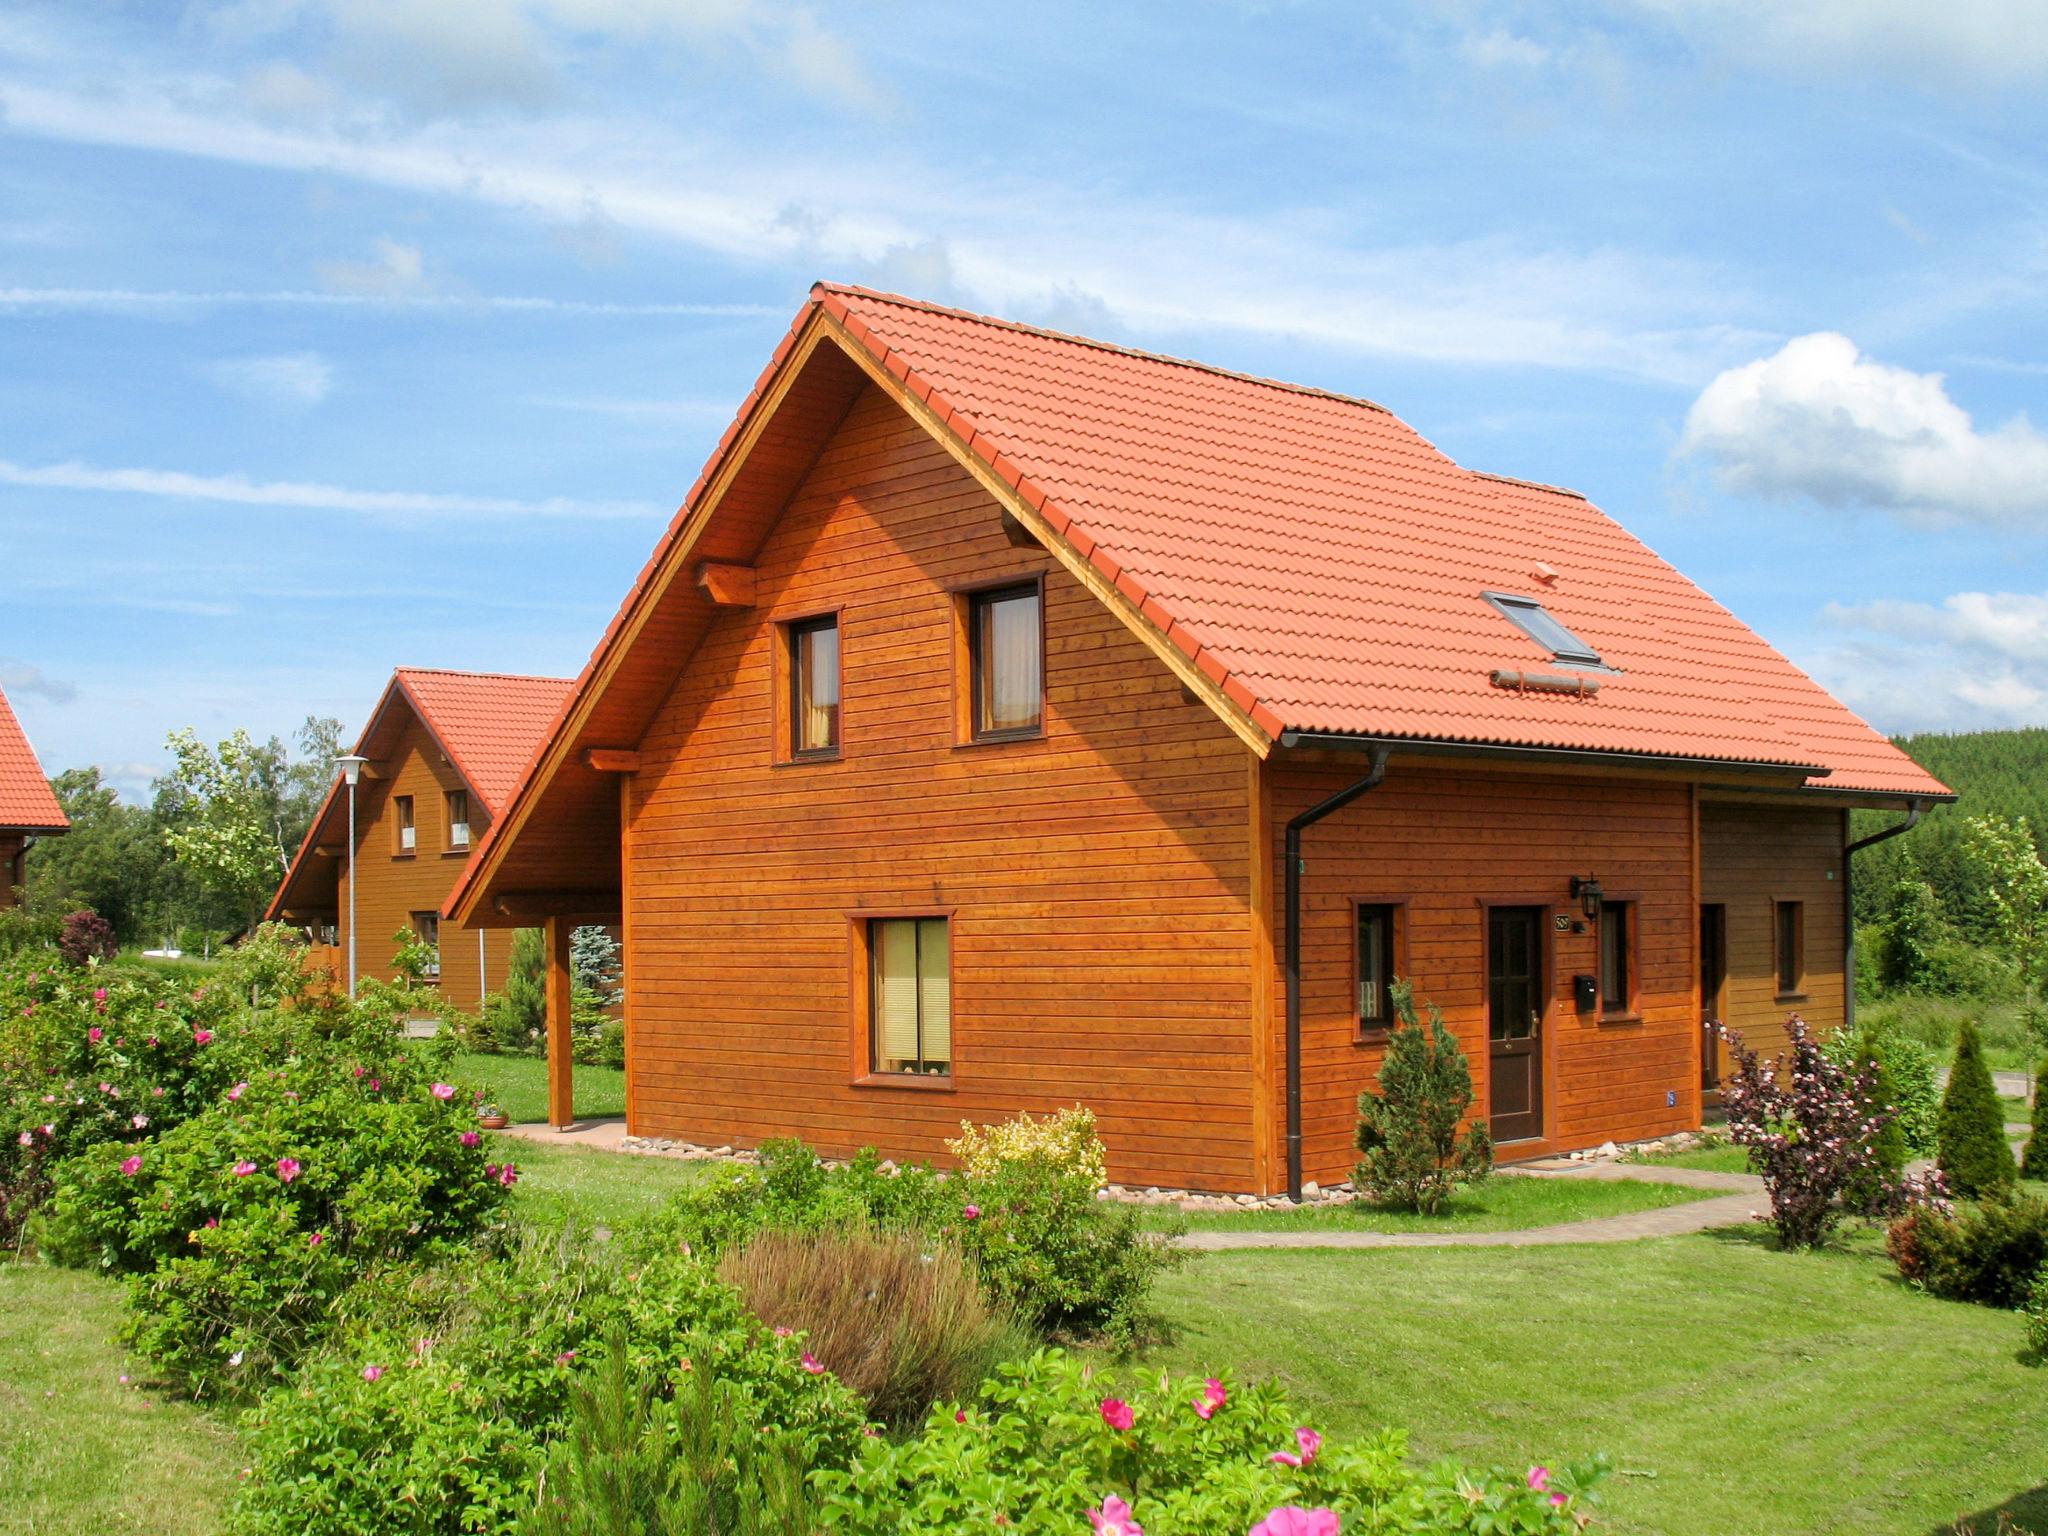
x: 428, y: 926
x: 1617, y: 958
x: 1790, y: 943
x: 1375, y: 928
x: 910, y: 995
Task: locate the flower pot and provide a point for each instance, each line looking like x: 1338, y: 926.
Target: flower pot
x: 492, y: 1122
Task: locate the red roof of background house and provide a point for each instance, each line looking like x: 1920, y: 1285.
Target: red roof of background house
x: 26, y: 803
x: 490, y: 725
x: 1326, y: 565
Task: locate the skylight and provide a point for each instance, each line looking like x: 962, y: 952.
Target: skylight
x: 1542, y: 626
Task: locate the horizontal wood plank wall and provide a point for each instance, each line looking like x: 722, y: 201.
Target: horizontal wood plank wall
x: 10, y: 874
x: 1445, y: 842
x: 392, y: 889
x: 1752, y: 856
x: 1097, y: 876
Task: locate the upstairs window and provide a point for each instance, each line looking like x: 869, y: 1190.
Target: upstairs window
x: 814, y: 688
x: 1790, y: 942
x: 911, y: 995
x: 1542, y: 626
x: 458, y: 818
x: 405, y: 832
x: 1006, y: 656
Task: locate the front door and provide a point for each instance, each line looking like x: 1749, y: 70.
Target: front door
x: 1514, y: 1021
x: 1713, y: 989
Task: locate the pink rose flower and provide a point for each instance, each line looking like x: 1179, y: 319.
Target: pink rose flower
x: 1291, y: 1520
x: 508, y: 1175
x: 26, y: 1139
x: 236, y: 1092
x: 1116, y: 1413
x: 471, y: 1139
x: 287, y: 1169
x: 202, y: 1037
x: 95, y: 1034
x: 811, y: 1363
x: 99, y: 994
x: 315, y: 1239
x: 971, y: 1212
x: 1212, y: 1397
x: 1539, y: 1478
x: 244, y: 1168
x: 132, y: 1166
x: 1309, y: 1441
x: 566, y: 1357
x: 444, y: 1091
x: 782, y: 1332
x: 372, y: 1372
x: 140, y: 1122
x: 1114, y: 1519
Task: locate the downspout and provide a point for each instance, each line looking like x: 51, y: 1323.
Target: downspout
x: 1915, y: 809
x: 1308, y: 818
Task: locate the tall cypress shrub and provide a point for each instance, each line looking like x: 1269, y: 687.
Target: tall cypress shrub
x: 1973, y: 1154
x: 2035, y: 1164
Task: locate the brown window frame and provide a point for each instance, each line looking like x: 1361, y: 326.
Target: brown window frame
x: 972, y: 604
x: 793, y: 633
x: 419, y: 931
x: 861, y: 993
x: 1627, y: 1008
x: 448, y: 809
x: 1395, y: 913
x: 1795, y: 991
x: 404, y: 818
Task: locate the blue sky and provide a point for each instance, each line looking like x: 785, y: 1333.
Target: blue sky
x: 340, y: 334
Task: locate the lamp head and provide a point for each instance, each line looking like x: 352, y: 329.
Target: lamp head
x: 351, y: 767
x: 1587, y: 893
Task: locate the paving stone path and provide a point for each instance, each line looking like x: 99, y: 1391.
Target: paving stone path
x: 1744, y: 1200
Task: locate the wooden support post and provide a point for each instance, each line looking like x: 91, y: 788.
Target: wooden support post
x: 561, y: 1052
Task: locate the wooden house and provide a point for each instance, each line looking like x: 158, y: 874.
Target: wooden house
x: 28, y: 810
x: 442, y: 752
x: 1008, y: 720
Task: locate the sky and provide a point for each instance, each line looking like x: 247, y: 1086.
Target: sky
x: 337, y: 335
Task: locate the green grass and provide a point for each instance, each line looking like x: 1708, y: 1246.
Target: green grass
x: 1724, y: 1157
x: 80, y: 1452
x: 1737, y: 1388
x: 1503, y: 1204
x: 562, y: 1183
x: 519, y: 1086
x: 1934, y: 1021
x: 2017, y: 1111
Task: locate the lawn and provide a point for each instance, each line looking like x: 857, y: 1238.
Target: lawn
x: 1737, y: 1389
x: 563, y: 1183
x: 1507, y: 1203
x: 2008, y: 1046
x: 519, y: 1086
x: 79, y: 1451
x: 1724, y: 1157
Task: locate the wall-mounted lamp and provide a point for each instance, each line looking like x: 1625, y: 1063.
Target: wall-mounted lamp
x: 1587, y: 894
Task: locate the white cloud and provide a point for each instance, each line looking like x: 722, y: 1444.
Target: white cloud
x: 1960, y: 43
x: 164, y: 300
x: 1818, y: 419
x: 1975, y: 661
x: 1156, y: 270
x: 396, y: 270
x: 1499, y: 48
x: 242, y: 491
x: 440, y: 56
x: 19, y: 679
x: 288, y: 379
x: 285, y: 91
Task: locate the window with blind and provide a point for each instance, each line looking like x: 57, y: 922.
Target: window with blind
x: 814, y: 688
x: 910, y: 993
x: 405, y: 832
x: 1375, y: 969
x: 458, y: 818
x: 1617, y: 964
x: 1791, y: 947
x: 1006, y: 655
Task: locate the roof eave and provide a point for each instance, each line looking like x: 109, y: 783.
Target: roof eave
x: 1343, y: 741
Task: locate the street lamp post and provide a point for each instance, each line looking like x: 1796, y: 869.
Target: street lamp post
x: 351, y: 767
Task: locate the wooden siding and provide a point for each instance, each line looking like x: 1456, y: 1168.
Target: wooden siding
x: 1752, y: 856
x: 1098, y: 877
x: 1447, y: 842
x: 394, y: 888
x: 10, y: 869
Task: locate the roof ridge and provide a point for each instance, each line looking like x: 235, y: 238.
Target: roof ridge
x: 997, y: 322
x: 1533, y: 485
x: 510, y: 677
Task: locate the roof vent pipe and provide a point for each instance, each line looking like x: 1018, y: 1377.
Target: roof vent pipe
x: 1308, y: 818
x: 1545, y: 682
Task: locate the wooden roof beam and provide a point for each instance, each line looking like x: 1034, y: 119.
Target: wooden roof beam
x: 729, y: 586
x: 613, y: 759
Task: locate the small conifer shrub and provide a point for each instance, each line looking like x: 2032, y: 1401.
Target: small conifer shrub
x: 1974, y: 1156
x: 1414, y: 1147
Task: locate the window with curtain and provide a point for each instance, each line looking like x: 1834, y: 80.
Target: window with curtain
x: 1791, y: 946
x: 1007, y: 656
x: 407, y: 830
x: 911, y: 995
x: 428, y: 926
x: 458, y: 818
x: 814, y: 688
x: 1375, y: 970
x: 1617, y: 965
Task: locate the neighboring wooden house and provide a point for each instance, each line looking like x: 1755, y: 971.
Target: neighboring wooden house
x: 28, y: 810
x: 943, y: 761
x: 444, y: 750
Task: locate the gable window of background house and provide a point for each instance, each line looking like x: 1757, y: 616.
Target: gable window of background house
x: 910, y: 995
x: 405, y: 832
x: 814, y: 687
x: 458, y: 818
x: 1006, y: 659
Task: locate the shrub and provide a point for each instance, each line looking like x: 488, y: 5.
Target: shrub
x: 1911, y: 1078
x: 1048, y: 1445
x: 22, y: 928
x: 2034, y: 1163
x: 1974, y: 1155
x: 1812, y: 1137
x: 516, y: 1018
x: 241, y: 1227
x: 898, y: 1317
x: 86, y: 937
x: 2037, y: 1319
x: 1412, y: 1155
x: 433, y: 1412
x: 1989, y: 1253
x: 1064, y: 1143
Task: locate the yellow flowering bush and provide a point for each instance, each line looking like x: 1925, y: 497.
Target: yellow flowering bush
x: 1063, y: 1142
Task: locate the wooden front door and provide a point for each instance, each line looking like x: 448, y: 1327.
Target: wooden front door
x: 1713, y: 993
x: 1514, y: 1021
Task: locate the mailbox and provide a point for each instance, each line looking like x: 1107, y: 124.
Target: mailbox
x: 1586, y: 993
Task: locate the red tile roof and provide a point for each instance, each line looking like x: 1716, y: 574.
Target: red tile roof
x: 1327, y: 566
x: 26, y: 804
x: 488, y: 723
